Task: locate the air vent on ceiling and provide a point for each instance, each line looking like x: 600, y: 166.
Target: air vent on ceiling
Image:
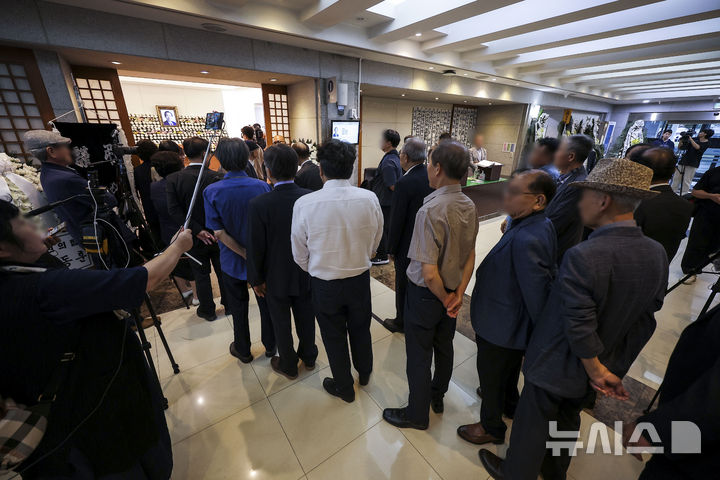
x: 213, y: 27
x: 449, y: 72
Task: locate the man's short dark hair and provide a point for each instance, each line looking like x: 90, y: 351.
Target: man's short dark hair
x: 336, y: 159
x: 453, y: 157
x: 549, y: 143
x: 668, y: 130
x: 166, y: 163
x: 195, y: 147
x: 445, y: 136
x: 233, y: 154
x: 145, y: 149
x: 405, y: 138
x: 636, y: 151
x: 169, y: 146
x: 660, y: 160
x: 248, y: 131
x: 709, y: 132
x: 541, y: 184
x: 8, y: 212
x: 392, y: 136
x: 282, y: 161
x: 302, y: 150
x: 580, y: 145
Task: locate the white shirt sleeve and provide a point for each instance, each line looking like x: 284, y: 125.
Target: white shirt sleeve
x: 298, y: 239
x: 380, y: 223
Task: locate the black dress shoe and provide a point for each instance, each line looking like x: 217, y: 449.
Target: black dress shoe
x: 236, y: 354
x: 275, y: 364
x: 492, y: 463
x: 364, y: 378
x: 478, y: 390
x: 393, y: 325
x: 437, y: 405
x: 206, y: 316
x: 329, y: 386
x: 309, y: 365
x: 398, y: 418
x: 271, y: 353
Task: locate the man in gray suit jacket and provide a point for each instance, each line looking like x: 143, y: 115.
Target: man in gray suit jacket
x: 599, y: 315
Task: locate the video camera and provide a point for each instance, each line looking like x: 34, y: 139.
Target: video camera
x: 684, y: 140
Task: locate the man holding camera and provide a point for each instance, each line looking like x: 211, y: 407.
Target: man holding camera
x: 63, y: 346
x: 690, y: 161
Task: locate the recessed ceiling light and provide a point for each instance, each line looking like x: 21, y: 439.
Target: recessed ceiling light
x: 418, y: 34
x: 431, y: 68
x: 204, y: 72
x: 490, y: 103
x: 436, y: 98
x: 402, y: 94
x: 464, y: 101
x: 517, y: 83
x: 116, y: 63
x: 494, y: 79
x: 273, y: 79
x: 464, y: 74
x: 646, y: 101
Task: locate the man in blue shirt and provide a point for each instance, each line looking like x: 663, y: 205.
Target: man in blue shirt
x: 542, y: 155
x: 388, y: 173
x: 665, y: 141
x: 226, y: 212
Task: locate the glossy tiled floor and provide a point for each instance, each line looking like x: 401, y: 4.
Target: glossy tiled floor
x: 234, y: 421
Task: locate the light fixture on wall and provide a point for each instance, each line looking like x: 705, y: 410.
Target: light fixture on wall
x: 204, y: 72
x: 114, y: 62
x: 653, y: 117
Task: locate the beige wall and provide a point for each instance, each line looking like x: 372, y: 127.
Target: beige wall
x: 379, y: 114
x: 499, y: 124
x: 303, y: 111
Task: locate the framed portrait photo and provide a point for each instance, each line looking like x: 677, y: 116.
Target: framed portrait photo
x: 168, y: 116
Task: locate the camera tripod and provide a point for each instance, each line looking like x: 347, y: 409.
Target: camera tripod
x: 714, y: 290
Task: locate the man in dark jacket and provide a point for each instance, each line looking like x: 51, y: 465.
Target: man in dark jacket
x: 143, y: 179
x: 388, y: 173
x: 309, y: 174
x: 410, y: 191
x: 690, y: 393
x: 106, y: 418
x: 179, y: 188
x: 598, y: 317
x: 271, y: 269
x: 704, y: 238
x: 521, y: 264
x: 563, y: 210
x: 690, y: 161
x: 666, y: 216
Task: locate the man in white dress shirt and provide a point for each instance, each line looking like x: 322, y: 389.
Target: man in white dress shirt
x: 335, y: 233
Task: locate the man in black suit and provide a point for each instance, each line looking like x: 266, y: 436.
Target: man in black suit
x: 410, y: 191
x: 271, y: 269
x: 666, y: 216
x: 179, y: 189
x: 309, y: 174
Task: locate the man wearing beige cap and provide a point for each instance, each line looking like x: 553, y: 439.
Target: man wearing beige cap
x: 599, y: 315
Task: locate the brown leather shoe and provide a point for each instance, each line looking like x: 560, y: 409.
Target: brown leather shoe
x: 476, y: 434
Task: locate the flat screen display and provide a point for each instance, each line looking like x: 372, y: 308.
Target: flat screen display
x: 346, y: 131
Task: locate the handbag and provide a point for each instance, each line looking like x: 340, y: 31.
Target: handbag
x: 22, y: 428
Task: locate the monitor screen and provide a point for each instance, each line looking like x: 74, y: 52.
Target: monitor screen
x: 346, y: 131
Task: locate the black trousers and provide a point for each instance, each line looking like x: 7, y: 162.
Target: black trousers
x: 344, y: 311
x: 382, y: 249
x: 527, y: 455
x: 704, y: 240
x: 238, y: 304
x: 302, y: 311
x: 401, y: 281
x: 498, y: 370
x: 428, y: 330
x: 207, y: 254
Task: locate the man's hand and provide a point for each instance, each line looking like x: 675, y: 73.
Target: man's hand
x: 452, y: 304
x: 628, y: 430
x: 183, y: 239
x: 715, y: 197
x: 206, y: 237
x: 609, y: 385
x: 260, y: 290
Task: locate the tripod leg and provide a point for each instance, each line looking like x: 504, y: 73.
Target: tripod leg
x: 146, y: 348
x: 652, y: 402
x: 158, y: 326
x: 715, y: 289
x: 185, y: 301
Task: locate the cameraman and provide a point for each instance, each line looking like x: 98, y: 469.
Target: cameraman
x: 690, y: 160
x: 107, y: 419
x: 60, y: 182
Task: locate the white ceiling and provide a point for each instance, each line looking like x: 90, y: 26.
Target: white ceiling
x: 622, y: 51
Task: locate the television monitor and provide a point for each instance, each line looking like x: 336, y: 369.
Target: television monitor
x: 346, y: 131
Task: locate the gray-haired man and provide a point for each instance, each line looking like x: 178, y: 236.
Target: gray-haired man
x: 410, y: 191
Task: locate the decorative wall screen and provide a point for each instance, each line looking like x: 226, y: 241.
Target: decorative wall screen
x: 463, y: 124
x: 277, y: 116
x: 428, y: 123
x: 24, y: 104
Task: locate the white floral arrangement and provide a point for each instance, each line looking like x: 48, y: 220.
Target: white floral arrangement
x: 10, y: 164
